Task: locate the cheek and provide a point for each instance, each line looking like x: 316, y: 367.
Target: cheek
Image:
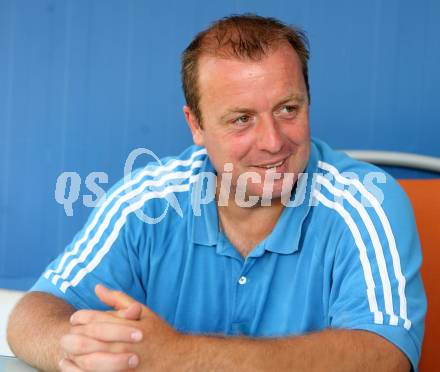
x: 235, y: 146
x: 243, y: 150
x: 221, y: 150
x: 298, y: 133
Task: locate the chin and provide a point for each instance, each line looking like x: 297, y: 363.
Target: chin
x: 276, y: 193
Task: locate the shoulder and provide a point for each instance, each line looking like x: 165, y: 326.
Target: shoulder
x: 161, y: 173
x: 365, y: 182
x: 335, y: 161
x: 361, y: 201
x: 377, y: 254
x: 145, y: 191
x: 168, y: 168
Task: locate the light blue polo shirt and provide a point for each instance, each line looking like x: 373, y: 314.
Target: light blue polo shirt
x: 344, y: 254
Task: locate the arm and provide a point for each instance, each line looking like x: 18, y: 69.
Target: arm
x: 163, y: 349
x: 333, y: 350
x: 41, y: 319
x: 39, y: 323
x: 35, y: 328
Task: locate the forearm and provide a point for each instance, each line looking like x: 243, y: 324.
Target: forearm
x: 334, y: 350
x: 35, y: 328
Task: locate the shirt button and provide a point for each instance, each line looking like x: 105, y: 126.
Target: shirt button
x: 242, y: 280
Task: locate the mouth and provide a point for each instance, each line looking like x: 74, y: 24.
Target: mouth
x: 274, y: 165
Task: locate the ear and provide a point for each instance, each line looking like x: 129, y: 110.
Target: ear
x: 194, y: 126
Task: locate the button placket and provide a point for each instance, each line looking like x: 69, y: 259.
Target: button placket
x: 242, y: 311
x: 247, y: 265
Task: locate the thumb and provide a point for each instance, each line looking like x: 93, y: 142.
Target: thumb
x: 126, y: 306
x: 116, y: 299
x: 133, y: 312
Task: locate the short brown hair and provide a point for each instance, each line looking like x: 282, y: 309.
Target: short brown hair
x: 246, y: 36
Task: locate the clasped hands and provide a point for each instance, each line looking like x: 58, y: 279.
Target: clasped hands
x: 130, y: 337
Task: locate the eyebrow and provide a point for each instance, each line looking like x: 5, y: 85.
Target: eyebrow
x: 298, y: 97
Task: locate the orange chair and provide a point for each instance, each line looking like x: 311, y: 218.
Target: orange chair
x: 425, y: 199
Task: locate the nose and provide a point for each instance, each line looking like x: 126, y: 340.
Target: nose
x: 269, y: 135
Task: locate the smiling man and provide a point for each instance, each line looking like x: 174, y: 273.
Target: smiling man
x: 259, y: 122
x: 291, y: 265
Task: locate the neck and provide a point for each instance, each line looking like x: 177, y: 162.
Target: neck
x: 239, y: 213
x: 246, y: 227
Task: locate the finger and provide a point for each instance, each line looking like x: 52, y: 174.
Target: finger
x: 106, y: 362
x: 116, y: 299
x: 133, y: 312
x: 108, y: 332
x: 88, y: 316
x: 122, y: 302
x: 76, y: 344
x: 67, y: 365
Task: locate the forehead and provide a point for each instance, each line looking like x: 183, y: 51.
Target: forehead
x: 275, y: 73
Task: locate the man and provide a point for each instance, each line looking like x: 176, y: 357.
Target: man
x: 276, y: 271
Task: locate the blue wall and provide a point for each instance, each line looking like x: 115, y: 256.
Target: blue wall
x: 83, y: 83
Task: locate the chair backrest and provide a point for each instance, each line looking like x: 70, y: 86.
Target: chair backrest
x: 425, y: 199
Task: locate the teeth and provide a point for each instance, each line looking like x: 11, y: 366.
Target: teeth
x: 274, y: 165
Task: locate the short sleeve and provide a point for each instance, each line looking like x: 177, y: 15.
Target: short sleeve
x: 376, y: 281
x: 108, y: 250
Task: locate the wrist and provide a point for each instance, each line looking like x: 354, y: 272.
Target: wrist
x: 184, y: 356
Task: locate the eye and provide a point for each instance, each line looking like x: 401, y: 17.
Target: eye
x: 287, y: 111
x: 243, y: 119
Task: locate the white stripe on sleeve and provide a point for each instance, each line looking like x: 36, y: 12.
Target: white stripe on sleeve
x: 368, y: 276
x: 388, y: 232
x: 115, y: 209
x: 115, y: 194
x: 388, y: 298
x: 118, y: 226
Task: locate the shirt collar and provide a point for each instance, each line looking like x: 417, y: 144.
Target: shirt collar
x: 286, y: 235
x: 205, y: 224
